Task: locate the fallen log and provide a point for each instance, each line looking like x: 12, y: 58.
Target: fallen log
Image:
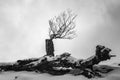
x: 101, y: 54
x: 62, y: 64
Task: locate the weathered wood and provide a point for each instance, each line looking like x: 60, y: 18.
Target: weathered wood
x: 101, y: 54
x: 62, y: 64
x: 49, y: 47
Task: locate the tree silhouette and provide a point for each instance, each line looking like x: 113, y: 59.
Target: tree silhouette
x: 61, y: 27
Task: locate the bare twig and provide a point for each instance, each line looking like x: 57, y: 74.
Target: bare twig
x: 62, y: 26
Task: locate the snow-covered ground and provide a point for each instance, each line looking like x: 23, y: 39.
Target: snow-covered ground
x: 24, y: 75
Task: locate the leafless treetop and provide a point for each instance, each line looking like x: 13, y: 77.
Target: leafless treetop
x: 62, y: 26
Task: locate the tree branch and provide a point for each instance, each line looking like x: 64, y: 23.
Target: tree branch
x: 62, y: 25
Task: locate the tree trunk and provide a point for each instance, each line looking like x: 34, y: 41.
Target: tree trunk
x: 49, y: 47
x: 102, y: 54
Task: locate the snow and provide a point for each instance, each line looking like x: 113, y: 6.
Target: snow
x: 24, y: 75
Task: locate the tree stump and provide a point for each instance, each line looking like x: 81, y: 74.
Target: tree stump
x: 49, y: 47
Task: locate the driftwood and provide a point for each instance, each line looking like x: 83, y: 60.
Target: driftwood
x: 62, y: 64
x: 101, y: 54
x: 49, y: 47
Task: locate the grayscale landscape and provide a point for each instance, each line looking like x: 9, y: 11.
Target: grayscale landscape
x: 59, y: 39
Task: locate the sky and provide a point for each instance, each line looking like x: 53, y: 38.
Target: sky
x: 24, y: 27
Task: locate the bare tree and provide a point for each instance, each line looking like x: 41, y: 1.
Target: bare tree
x: 61, y: 27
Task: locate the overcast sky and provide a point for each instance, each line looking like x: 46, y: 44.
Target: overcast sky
x: 24, y: 27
